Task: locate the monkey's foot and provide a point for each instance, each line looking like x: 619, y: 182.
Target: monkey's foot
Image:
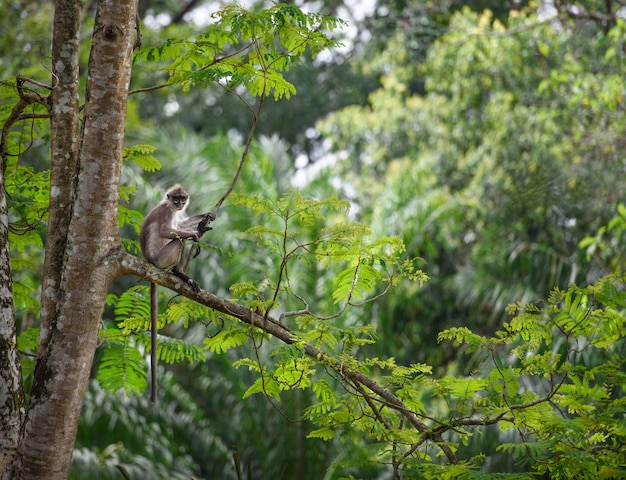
x: 194, y: 285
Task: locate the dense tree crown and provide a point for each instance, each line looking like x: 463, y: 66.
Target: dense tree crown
x: 416, y: 268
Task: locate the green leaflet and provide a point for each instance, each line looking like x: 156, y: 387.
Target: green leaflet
x: 173, y: 350
x: 142, y: 156
x: 226, y: 339
x: 355, y: 283
x: 122, y: 368
x: 267, y: 386
x: 132, y: 309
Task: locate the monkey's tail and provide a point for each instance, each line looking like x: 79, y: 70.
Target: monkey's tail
x: 154, y: 307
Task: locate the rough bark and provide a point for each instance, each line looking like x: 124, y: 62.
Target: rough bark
x: 64, y: 151
x: 83, y: 267
x: 11, y: 392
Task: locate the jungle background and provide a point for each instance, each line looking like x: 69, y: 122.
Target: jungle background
x: 488, y: 136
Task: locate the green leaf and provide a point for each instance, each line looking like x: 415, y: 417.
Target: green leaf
x: 271, y: 41
x: 354, y: 283
x: 227, y: 339
x: 173, y: 350
x: 132, y: 309
x: 265, y: 385
x: 127, y: 216
x: 324, y: 433
x: 142, y: 156
x: 28, y: 340
x: 122, y: 367
x: 462, y: 335
x: 325, y: 394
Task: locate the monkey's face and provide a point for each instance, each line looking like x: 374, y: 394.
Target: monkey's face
x: 178, y: 201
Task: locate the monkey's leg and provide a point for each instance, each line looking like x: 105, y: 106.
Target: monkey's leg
x: 171, y: 255
x: 178, y: 270
x: 187, y: 279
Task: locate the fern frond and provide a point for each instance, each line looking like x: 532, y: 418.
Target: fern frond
x: 132, y: 309
x: 324, y: 433
x: 142, y: 156
x: 266, y: 385
x: 122, y: 367
x: 355, y: 283
x: 134, y: 302
x: 173, y: 350
x: 227, y: 339
x: 185, y: 310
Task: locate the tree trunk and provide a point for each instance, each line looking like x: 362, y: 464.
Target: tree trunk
x: 81, y: 250
x: 11, y: 392
x: 64, y: 151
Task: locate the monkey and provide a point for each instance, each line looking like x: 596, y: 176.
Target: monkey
x: 164, y: 231
x: 162, y: 239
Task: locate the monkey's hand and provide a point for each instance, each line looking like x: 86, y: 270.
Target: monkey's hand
x: 202, y: 229
x: 203, y: 226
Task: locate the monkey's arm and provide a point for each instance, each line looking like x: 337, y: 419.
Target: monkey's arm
x: 167, y: 231
x: 198, y: 219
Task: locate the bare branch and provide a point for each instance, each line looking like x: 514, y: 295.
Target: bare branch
x: 149, y: 89
x: 26, y: 99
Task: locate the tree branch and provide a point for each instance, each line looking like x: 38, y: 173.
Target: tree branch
x: 131, y: 265
x: 15, y: 116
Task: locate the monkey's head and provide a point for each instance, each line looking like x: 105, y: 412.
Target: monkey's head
x: 178, y: 197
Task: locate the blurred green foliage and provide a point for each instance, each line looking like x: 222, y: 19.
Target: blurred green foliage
x: 488, y: 143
